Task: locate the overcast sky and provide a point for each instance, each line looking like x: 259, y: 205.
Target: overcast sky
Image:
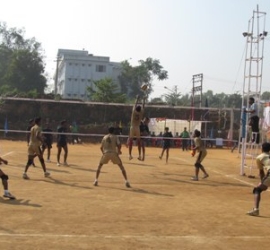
x: 187, y: 37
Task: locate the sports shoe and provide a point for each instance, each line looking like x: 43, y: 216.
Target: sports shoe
x: 160, y: 157
x: 95, y: 183
x: 128, y: 184
x: 140, y: 158
x: 10, y: 196
x: 48, y: 160
x: 253, y: 212
x: 205, y: 176
x: 130, y: 157
x: 194, y: 178
x: 65, y: 164
x: 58, y: 164
x: 25, y: 176
x: 47, y: 174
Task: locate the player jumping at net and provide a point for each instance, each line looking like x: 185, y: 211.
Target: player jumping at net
x: 111, y: 149
x: 34, y: 149
x: 136, y: 117
x: 199, y: 147
x: 263, y: 163
x: 4, y: 178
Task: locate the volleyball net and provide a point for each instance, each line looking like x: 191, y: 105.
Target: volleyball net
x: 89, y: 121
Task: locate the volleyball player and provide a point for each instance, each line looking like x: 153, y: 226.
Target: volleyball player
x: 136, y: 117
x: 62, y: 142
x: 199, y: 147
x: 166, y: 144
x: 34, y: 149
x: 111, y: 149
x: 4, y: 178
x: 47, y: 143
x: 144, y: 129
x: 31, y: 123
x: 263, y: 164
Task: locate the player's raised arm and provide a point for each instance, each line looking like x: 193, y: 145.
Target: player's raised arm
x: 143, y: 103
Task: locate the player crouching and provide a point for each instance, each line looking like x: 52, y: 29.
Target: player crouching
x: 111, y: 149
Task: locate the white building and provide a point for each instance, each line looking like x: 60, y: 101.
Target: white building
x: 77, y: 70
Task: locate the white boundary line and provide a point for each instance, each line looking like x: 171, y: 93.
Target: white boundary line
x: 9, y: 153
x: 223, y: 174
x: 189, y: 237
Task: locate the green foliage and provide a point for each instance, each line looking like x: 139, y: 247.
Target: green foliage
x: 265, y: 96
x: 157, y: 101
x: 7, y: 90
x: 222, y: 100
x: 219, y: 100
x: 33, y: 93
x: 185, y: 100
x: 172, y: 97
x: 132, y: 78
x: 106, y: 91
x: 21, y: 62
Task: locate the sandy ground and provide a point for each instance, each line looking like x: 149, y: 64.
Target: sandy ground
x: 164, y: 209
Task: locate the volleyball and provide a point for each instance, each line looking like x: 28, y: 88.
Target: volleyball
x: 144, y: 87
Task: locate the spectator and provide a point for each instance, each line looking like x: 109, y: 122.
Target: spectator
x: 185, y: 139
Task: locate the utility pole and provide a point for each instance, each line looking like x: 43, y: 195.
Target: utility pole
x: 197, y: 81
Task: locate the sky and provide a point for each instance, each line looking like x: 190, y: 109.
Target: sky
x: 188, y: 37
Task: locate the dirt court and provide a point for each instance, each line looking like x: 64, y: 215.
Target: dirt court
x: 164, y: 209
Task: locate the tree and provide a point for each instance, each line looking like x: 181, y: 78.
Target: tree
x: 219, y: 100
x: 106, y: 91
x: 234, y: 101
x: 185, y: 100
x: 132, y: 78
x: 265, y: 96
x: 173, y: 96
x: 21, y: 62
x: 157, y: 101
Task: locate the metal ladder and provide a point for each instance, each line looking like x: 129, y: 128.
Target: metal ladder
x: 253, y: 70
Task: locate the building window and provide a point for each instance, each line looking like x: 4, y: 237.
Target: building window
x: 100, y: 68
x: 83, y: 64
x: 89, y: 65
x: 70, y: 64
